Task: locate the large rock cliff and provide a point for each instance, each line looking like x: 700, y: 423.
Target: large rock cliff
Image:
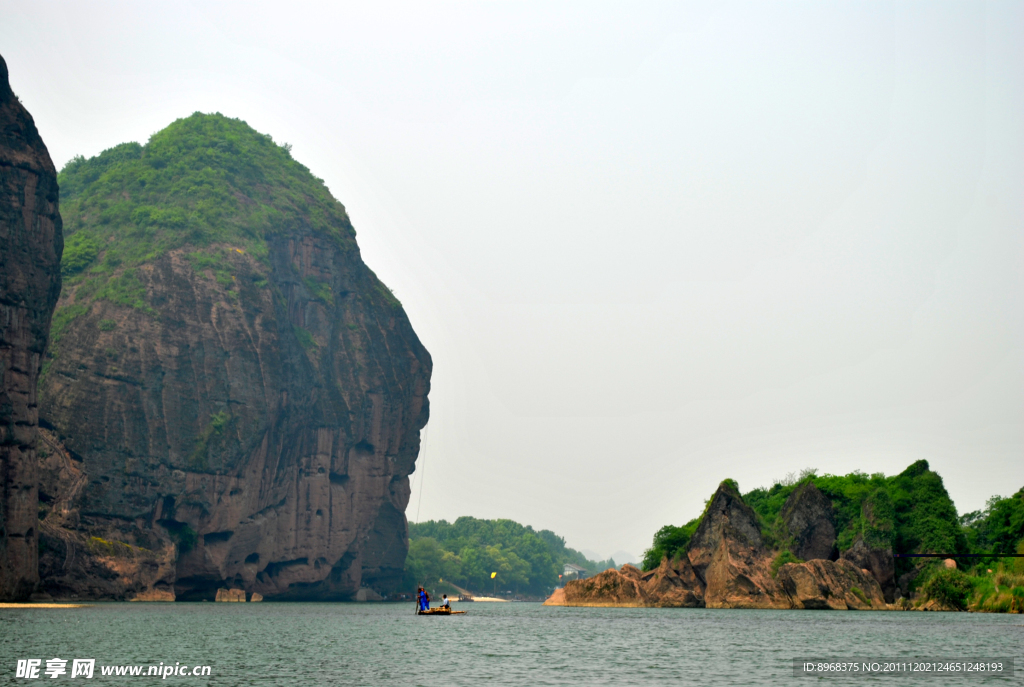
x: 30, y: 250
x: 240, y: 394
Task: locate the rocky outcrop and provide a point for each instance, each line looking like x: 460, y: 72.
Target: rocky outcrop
x: 728, y: 553
x: 728, y: 566
x: 807, y: 515
x: 30, y: 249
x: 726, y: 519
x: 160, y: 595
x: 610, y: 588
x: 673, y: 584
x: 824, y: 584
x: 254, y: 402
x: 230, y: 595
x: 739, y: 576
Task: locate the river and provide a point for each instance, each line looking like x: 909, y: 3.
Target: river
x: 494, y: 643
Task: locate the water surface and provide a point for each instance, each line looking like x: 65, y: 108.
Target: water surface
x: 507, y: 644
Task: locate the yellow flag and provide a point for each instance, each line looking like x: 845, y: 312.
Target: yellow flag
x: 493, y: 575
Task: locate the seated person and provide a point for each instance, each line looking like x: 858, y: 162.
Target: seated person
x: 445, y: 604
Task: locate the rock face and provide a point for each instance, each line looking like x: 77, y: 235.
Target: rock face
x: 90, y: 558
x: 249, y: 400
x: 727, y: 518
x: 727, y: 550
x: 878, y: 561
x: 30, y: 249
x: 673, y: 585
x: 808, y: 516
x: 824, y: 584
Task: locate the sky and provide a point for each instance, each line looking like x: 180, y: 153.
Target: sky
x: 648, y: 245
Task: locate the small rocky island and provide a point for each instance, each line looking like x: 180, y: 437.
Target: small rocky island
x: 728, y: 564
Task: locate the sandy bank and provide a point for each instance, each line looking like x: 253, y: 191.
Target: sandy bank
x: 31, y: 605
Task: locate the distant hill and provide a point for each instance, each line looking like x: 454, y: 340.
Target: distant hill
x: 468, y: 550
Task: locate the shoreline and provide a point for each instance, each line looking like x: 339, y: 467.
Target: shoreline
x: 42, y: 605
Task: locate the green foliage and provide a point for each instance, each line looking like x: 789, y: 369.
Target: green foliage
x: 1000, y: 590
x: 950, y: 587
x: 320, y: 290
x: 467, y: 551
x: 183, y: 535
x: 910, y: 512
x: 126, y: 290
x: 305, y: 338
x: 204, y: 181
x: 670, y: 541
x: 216, y: 262
x: 999, y: 528
x: 784, y: 557
x: 80, y: 250
x: 218, y: 422
x: 388, y: 295
x: 859, y: 593
x: 62, y: 318
x: 926, y: 519
x: 107, y: 325
x: 879, y: 518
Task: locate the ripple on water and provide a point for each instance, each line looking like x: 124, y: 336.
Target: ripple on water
x: 513, y: 644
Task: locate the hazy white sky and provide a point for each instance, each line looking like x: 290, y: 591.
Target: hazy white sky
x: 648, y: 246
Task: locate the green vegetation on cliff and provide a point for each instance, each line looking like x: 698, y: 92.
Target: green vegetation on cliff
x: 205, y: 181
x: 910, y: 512
x: 468, y: 550
x: 671, y: 542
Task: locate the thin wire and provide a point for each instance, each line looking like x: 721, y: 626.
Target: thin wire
x: 423, y: 469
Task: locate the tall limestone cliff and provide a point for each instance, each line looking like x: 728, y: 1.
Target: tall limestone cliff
x: 235, y: 398
x: 30, y: 249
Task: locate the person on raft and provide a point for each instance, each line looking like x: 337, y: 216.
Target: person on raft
x: 424, y: 598
x: 445, y: 603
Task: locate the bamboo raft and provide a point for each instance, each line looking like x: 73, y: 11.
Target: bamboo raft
x: 440, y: 611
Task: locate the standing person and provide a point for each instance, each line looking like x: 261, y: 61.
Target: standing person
x: 424, y: 599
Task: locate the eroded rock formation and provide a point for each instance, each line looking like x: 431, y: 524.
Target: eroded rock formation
x: 252, y: 407
x: 728, y: 566
x: 30, y: 248
x: 824, y: 584
x: 877, y: 560
x: 808, y: 517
